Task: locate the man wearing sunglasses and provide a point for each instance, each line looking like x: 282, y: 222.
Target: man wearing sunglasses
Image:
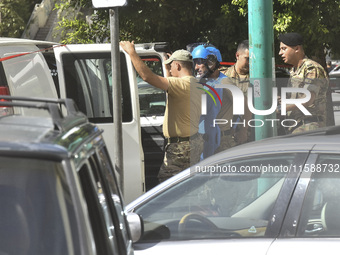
x: 207, y: 59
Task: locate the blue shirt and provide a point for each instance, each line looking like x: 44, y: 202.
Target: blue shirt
x: 211, y: 134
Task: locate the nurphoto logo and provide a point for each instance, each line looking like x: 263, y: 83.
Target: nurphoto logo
x: 204, y: 98
x: 239, y: 103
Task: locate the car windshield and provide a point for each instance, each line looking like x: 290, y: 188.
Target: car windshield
x: 320, y: 211
x: 37, y: 214
x: 232, y: 199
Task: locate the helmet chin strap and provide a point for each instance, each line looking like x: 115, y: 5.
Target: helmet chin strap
x: 203, y: 78
x: 209, y: 71
x: 211, y: 64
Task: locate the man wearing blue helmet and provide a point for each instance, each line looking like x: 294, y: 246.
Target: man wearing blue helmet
x: 206, y: 63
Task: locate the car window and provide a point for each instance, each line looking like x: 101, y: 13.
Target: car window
x: 320, y: 212
x: 105, y: 206
x: 26, y: 74
x: 152, y: 100
x: 101, y: 222
x: 232, y: 199
x: 37, y: 213
x: 114, y: 193
x: 88, y: 78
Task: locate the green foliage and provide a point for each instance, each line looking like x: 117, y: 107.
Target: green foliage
x: 317, y: 20
x: 76, y: 27
x: 14, y: 15
x: 223, y: 23
x: 177, y: 22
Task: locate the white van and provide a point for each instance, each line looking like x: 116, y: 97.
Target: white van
x: 83, y: 73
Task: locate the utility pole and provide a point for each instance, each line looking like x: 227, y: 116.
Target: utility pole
x: 117, y: 95
x: 116, y: 83
x: 262, y: 64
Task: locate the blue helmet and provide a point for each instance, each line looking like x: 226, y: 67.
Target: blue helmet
x: 215, y: 52
x: 203, y: 52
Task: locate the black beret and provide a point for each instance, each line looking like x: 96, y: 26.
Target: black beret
x: 291, y: 39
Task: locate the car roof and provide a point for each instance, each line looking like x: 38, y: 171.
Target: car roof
x: 325, y: 139
x: 322, y: 139
x: 14, y: 41
x: 51, y: 136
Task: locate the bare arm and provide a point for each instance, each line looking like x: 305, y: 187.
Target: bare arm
x: 145, y: 72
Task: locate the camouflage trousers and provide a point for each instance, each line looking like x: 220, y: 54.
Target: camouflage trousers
x: 179, y: 156
x: 306, y: 127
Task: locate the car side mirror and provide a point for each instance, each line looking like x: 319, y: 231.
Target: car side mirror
x: 136, y: 226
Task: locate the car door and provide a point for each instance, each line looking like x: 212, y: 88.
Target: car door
x: 84, y: 74
x: 231, y: 206
x: 312, y: 223
x: 152, y: 102
x: 105, y: 208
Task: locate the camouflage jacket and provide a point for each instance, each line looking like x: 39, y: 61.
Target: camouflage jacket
x: 312, y: 76
x: 241, y: 81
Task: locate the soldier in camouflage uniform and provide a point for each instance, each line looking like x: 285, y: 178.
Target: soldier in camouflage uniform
x: 238, y: 74
x: 240, y: 70
x: 307, y: 74
x: 226, y: 113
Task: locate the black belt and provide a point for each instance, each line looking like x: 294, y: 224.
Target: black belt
x: 226, y: 132
x: 181, y: 139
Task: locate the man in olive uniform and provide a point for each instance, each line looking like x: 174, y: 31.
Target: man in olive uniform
x: 183, y: 109
x: 240, y: 70
x: 306, y: 74
x: 228, y: 137
x: 238, y: 74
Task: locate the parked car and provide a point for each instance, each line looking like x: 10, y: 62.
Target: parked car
x: 275, y: 196
x: 58, y: 189
x: 83, y: 72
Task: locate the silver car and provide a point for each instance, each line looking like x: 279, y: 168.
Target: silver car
x: 276, y: 196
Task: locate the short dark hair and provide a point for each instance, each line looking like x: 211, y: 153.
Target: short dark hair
x: 186, y: 64
x: 244, y: 45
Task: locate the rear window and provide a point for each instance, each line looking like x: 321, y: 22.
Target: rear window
x: 88, y: 78
x: 37, y: 213
x: 27, y: 74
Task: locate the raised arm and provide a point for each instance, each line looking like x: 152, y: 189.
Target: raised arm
x: 142, y: 69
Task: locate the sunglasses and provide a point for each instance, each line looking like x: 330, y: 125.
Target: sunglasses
x: 200, y: 61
